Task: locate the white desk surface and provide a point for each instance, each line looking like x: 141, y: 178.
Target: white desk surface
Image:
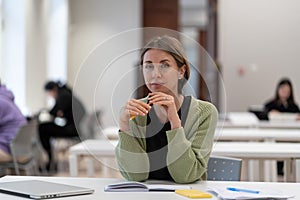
x: 238, y: 149
x: 94, y: 147
x: 283, y: 125
x: 257, y: 134
x: 257, y: 150
x: 98, y: 184
x: 245, y: 150
x: 261, y: 124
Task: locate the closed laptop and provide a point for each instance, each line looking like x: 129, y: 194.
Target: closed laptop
x: 36, y: 189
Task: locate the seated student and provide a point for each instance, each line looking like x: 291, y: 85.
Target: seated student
x: 11, y: 119
x: 165, y: 135
x: 282, y: 102
x: 68, y: 109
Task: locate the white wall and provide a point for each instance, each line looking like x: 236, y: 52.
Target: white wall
x: 36, y: 65
x: 263, y: 38
x: 13, y: 52
x: 100, y: 75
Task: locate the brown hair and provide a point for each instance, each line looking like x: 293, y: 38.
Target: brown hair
x: 172, y: 46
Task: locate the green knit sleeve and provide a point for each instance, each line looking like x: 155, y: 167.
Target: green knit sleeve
x: 189, y: 148
x: 131, y: 153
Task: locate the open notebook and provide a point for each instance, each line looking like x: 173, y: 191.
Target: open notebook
x: 141, y: 187
x: 36, y: 189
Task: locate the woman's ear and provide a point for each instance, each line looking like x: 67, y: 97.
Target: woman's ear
x: 181, y: 72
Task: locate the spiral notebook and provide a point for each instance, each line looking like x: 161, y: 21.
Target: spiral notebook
x: 141, y: 187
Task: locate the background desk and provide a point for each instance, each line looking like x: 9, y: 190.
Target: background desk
x: 260, y: 124
x: 245, y: 150
x: 98, y: 184
x: 246, y: 134
x: 264, y: 132
x: 287, y: 152
x: 90, y: 148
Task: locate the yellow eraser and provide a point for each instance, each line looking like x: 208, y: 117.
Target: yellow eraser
x: 193, y: 193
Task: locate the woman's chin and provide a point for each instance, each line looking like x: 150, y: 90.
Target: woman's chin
x: 157, y: 88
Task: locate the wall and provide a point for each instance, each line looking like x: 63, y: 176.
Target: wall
x: 36, y: 65
x: 100, y: 75
x: 13, y: 49
x: 259, y: 43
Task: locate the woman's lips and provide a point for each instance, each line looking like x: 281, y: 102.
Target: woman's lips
x: 156, y: 85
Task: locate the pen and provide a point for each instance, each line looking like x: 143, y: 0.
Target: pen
x: 242, y: 190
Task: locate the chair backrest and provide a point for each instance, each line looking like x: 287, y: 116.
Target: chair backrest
x: 23, y: 145
x: 90, y: 125
x: 224, y: 169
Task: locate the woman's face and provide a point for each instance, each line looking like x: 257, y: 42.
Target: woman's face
x: 52, y: 93
x: 161, y: 72
x: 284, y: 92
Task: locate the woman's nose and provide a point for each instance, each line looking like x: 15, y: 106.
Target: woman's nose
x: 156, y: 72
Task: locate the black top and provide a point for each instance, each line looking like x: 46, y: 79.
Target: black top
x: 157, y: 142
x: 277, y: 105
x: 71, y: 107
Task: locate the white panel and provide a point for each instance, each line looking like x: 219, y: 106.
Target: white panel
x: 14, y: 49
x: 57, y: 40
x: 258, y: 44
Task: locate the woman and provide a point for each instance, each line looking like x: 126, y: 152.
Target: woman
x: 11, y: 119
x: 67, y: 112
x: 283, y: 100
x: 165, y: 135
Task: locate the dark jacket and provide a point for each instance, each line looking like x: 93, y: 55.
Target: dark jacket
x: 277, y: 105
x: 73, y: 110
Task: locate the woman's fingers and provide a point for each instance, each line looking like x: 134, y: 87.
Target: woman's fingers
x: 136, y: 107
x: 160, y: 98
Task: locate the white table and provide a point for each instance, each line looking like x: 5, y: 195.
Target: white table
x: 259, y: 134
x: 98, y: 149
x: 245, y: 150
x: 288, y: 152
x: 246, y: 134
x: 99, y: 183
x: 261, y: 124
x: 279, y: 125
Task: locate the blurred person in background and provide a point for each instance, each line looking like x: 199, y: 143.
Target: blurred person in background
x: 11, y: 119
x: 283, y: 102
x: 66, y: 113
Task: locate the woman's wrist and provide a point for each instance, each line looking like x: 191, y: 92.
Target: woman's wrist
x: 176, y: 124
x: 124, y: 126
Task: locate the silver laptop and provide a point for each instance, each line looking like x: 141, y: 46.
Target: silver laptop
x: 36, y: 189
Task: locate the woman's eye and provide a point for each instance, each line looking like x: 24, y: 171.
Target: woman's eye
x: 165, y: 65
x: 148, y: 66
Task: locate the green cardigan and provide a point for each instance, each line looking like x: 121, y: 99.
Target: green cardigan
x: 189, y: 147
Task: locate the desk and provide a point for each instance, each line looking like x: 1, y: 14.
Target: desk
x: 260, y: 124
x: 260, y: 134
x: 287, y: 152
x: 245, y: 150
x: 246, y: 134
x: 90, y: 148
x: 279, y: 125
x: 99, y: 183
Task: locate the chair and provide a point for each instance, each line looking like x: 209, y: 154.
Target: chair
x: 87, y: 128
x: 24, y: 149
x: 224, y: 169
